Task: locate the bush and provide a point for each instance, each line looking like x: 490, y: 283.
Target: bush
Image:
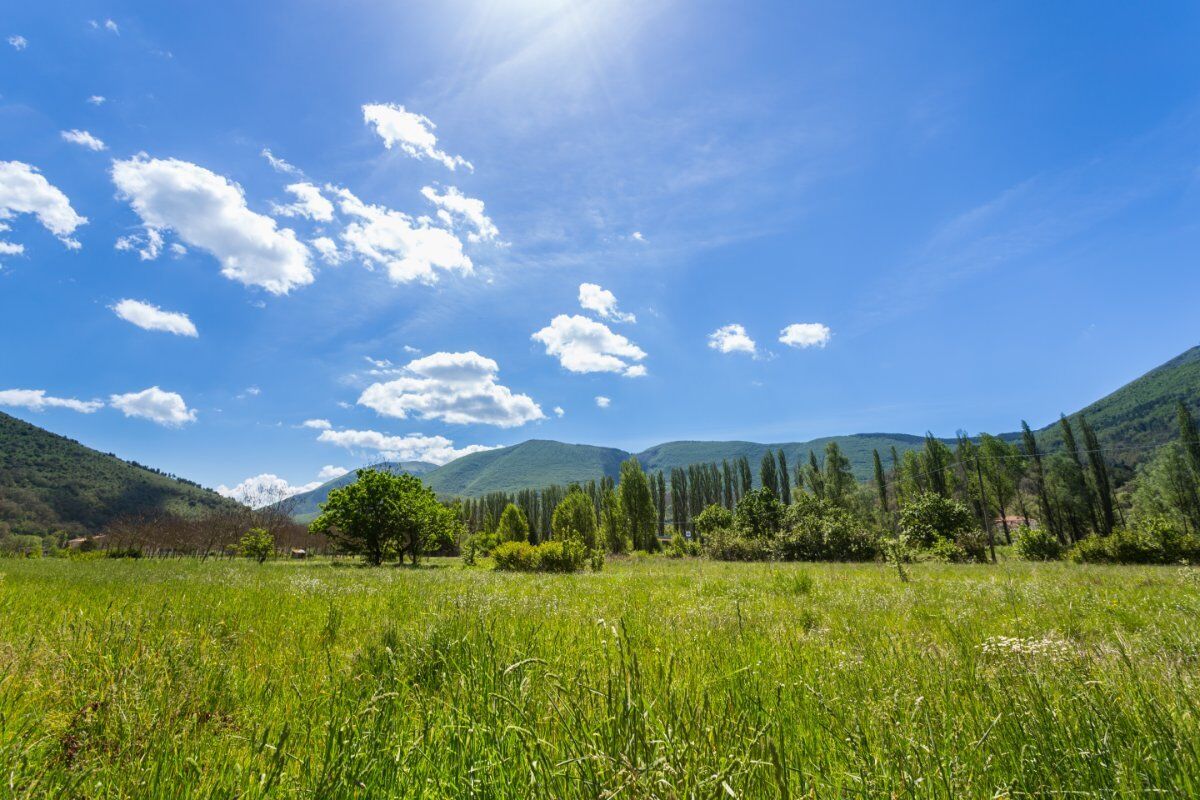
x: 759, y: 514
x: 568, y: 556
x: 711, y: 519
x: 929, y: 518
x: 728, y: 545
x: 1155, y: 540
x: 818, y: 530
x: 681, y: 546
x: 1037, y: 544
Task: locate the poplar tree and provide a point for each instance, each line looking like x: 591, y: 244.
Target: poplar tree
x: 745, y: 475
x: 785, y: 481
x: 766, y: 473
x: 638, y: 505
x: 815, y: 477
x: 1077, y: 482
x: 881, y: 486
x: 1039, y: 480
x: 1100, y: 477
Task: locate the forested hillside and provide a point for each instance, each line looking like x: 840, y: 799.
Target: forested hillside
x: 51, y: 483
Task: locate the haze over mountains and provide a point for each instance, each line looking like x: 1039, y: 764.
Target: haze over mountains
x: 50, y: 482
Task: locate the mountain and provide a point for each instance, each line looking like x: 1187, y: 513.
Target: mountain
x: 49, y: 483
x: 1132, y: 421
x: 531, y: 464
x: 306, y: 505
x: 1141, y: 415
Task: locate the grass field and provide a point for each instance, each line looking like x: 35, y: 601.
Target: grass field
x: 654, y: 678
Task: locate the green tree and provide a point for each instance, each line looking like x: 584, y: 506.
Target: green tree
x: 380, y: 514
x: 839, y: 480
x: 929, y: 517
x: 816, y: 478
x: 614, y: 528
x: 785, y: 480
x: 767, y: 475
x: 1189, y: 435
x: 759, y: 514
x: 712, y: 519
x: 881, y: 487
x: 513, y: 526
x: 638, y: 504
x: 575, y: 517
x: 1038, y: 468
x: 1101, y: 481
x: 1075, y: 484
x: 257, y: 543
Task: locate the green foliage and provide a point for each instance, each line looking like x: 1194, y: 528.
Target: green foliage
x: 555, y: 556
x: 1152, y: 541
x: 681, y: 546
x: 929, y: 519
x: 730, y: 545
x: 575, y: 518
x: 614, y: 525
x: 818, y: 530
x: 1037, y: 544
x: 382, y: 515
x: 257, y: 544
x: 712, y: 519
x: 759, y: 514
x: 637, y: 504
x: 513, y: 527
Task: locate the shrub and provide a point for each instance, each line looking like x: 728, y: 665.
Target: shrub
x: 556, y: 556
x: 1154, y: 540
x: 1037, y: 544
x: 516, y: 556
x: 681, y: 546
x: 929, y: 518
x: 728, y: 545
x: 712, y: 519
x: 759, y: 514
x: 818, y: 530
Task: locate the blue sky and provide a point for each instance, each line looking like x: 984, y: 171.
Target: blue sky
x: 977, y: 213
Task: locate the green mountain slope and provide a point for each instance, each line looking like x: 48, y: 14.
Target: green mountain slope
x: 1141, y: 415
x: 531, y: 464
x: 307, y: 505
x: 50, y: 483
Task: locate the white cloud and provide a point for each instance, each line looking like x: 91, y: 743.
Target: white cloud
x: 329, y: 472
x: 558, y: 412
x: 209, y: 211
x: 148, y: 245
x: 412, y: 133
x: 251, y: 391
x: 732, y: 339
x: 11, y: 249
x: 38, y: 400
x: 455, y: 205
x: 409, y: 250
x: 23, y: 190
x: 178, y: 250
x: 18, y: 42
x: 264, y: 490
x: 318, y: 424
x: 111, y: 26
x: 310, y: 203
x: 459, y: 388
x: 278, y: 164
x: 97, y: 99
x: 411, y: 447
x: 83, y: 139
x: 153, y: 318
x: 164, y: 408
x: 806, y: 334
x: 327, y: 249
x: 602, y: 401
x: 602, y: 302
x: 584, y: 345
x: 637, y: 236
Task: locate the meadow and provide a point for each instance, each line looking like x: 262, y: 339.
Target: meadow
x: 655, y: 677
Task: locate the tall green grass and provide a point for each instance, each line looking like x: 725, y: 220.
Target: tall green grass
x: 654, y: 678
